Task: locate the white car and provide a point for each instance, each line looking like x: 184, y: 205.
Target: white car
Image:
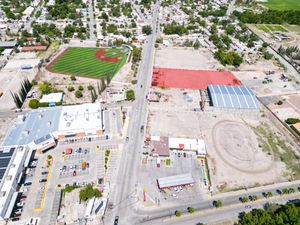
x: 21, y: 204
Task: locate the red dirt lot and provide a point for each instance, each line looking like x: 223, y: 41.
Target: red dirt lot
x: 101, y: 55
x: 191, y: 79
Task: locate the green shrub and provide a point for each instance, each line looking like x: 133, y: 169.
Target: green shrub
x: 133, y: 81
x: 34, y: 103
x: 130, y: 96
x: 191, y: 209
x: 178, y: 213
x: 292, y: 120
x: 89, y: 192
x: 71, y: 88
x: 90, y: 87
x: 78, y: 94
x: 73, y: 78
x: 80, y: 88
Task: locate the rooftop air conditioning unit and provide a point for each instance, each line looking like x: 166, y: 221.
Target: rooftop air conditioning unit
x: 8, y: 178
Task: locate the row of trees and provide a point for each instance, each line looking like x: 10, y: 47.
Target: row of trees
x: 269, y: 17
x: 175, y: 28
x: 21, y: 96
x: 272, y: 215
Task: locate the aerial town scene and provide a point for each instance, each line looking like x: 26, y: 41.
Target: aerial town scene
x: 149, y: 112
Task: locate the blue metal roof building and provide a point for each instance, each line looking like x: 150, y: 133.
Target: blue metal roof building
x: 32, y: 126
x: 239, y: 97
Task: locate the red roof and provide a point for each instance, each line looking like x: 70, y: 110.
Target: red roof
x: 192, y: 79
x: 34, y: 48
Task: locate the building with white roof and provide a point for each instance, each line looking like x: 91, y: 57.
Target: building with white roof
x: 12, y: 165
x: 187, y: 144
x: 53, y: 97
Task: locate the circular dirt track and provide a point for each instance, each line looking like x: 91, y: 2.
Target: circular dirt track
x: 236, y: 144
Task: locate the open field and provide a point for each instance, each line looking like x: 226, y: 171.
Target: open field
x: 89, y: 62
x: 282, y: 5
x: 237, y: 141
x: 186, y: 58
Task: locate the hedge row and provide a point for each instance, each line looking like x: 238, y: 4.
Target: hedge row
x: 34, y: 104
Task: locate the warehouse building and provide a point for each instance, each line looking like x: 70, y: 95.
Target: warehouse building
x: 175, y: 181
x: 237, y: 97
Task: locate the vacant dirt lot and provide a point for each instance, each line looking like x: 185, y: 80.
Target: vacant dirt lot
x: 238, y: 155
x: 186, y: 58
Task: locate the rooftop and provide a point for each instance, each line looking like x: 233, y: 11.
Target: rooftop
x: 174, y: 181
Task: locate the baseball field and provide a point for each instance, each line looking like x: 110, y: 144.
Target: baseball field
x: 89, y: 62
x: 283, y: 4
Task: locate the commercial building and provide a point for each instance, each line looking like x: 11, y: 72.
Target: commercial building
x: 38, y: 126
x: 13, y: 160
x: 161, y: 146
x: 238, y: 97
x: 175, y: 181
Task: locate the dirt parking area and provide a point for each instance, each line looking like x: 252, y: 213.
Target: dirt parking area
x: 256, y: 77
x: 237, y: 146
x: 186, y: 58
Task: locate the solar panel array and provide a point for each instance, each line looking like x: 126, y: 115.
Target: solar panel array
x: 239, y: 97
x: 5, y: 157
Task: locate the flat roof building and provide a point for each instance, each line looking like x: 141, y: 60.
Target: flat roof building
x: 61, y: 122
x: 175, y: 181
x: 53, y: 97
x: 187, y: 144
x: 8, y: 44
x: 159, y: 146
x: 13, y: 158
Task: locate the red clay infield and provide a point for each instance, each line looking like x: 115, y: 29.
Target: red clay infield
x: 191, y: 79
x: 101, y: 55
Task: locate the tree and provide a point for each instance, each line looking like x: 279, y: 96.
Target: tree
x: 196, y: 45
x: 33, y: 103
x: 147, y: 30
x: 178, y: 213
x: 78, y: 94
x: 71, y: 88
x: 244, y: 199
x: 218, y: 203
x: 136, y: 55
x: 130, y: 96
x: 268, y: 55
x: 191, y: 209
x: 89, y: 192
x: 80, y: 88
x: 73, y: 78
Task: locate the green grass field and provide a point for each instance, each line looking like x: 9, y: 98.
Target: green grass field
x: 83, y: 62
x: 276, y: 28
x: 270, y: 28
x: 283, y: 4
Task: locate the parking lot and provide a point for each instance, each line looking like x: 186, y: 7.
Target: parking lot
x: 180, y: 163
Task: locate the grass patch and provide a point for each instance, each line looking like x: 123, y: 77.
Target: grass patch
x: 292, y: 28
x: 276, y: 28
x: 83, y: 62
x: 282, y: 4
x: 273, y: 145
x: 262, y: 27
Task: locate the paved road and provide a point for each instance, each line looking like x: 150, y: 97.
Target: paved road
x: 124, y: 196
x: 230, y: 200
x: 230, y: 8
x: 92, y: 21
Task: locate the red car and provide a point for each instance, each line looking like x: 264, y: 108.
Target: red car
x: 74, y: 173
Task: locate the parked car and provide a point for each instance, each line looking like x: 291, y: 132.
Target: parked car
x: 27, y: 183
x: 44, y: 173
x: 74, y: 173
x: 23, y: 197
x: 42, y: 180
x: 20, y: 204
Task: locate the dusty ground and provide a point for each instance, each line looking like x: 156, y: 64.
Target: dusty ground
x: 236, y: 158
x: 5, y: 124
x: 11, y: 77
x: 186, y: 58
x: 253, y: 76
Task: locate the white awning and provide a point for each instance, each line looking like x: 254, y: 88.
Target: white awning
x: 11, y: 205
